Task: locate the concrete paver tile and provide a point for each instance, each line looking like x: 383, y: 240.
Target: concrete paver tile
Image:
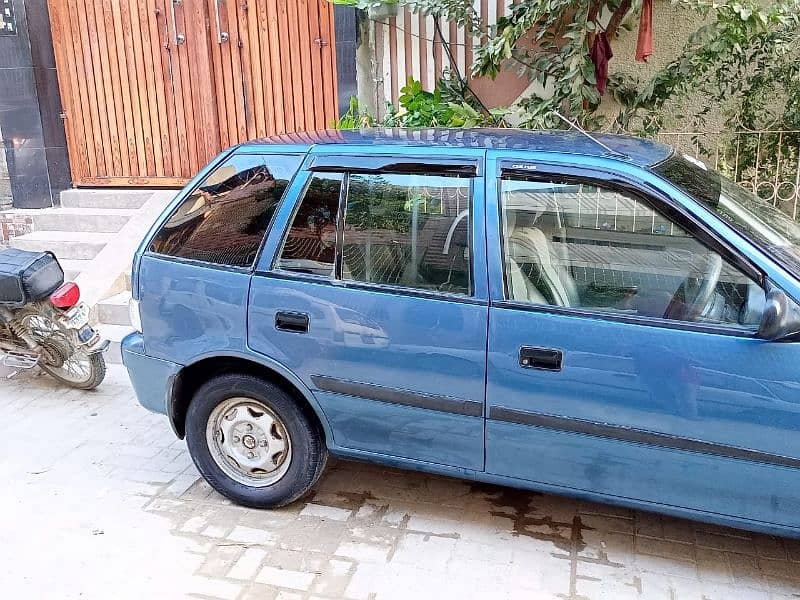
x: 250, y: 535
x: 248, y: 564
x: 727, y: 542
x: 716, y: 566
x: 424, y: 551
x: 363, y: 552
x: 664, y: 548
x: 215, y: 588
x: 326, y: 512
x: 216, y: 531
x: 285, y: 578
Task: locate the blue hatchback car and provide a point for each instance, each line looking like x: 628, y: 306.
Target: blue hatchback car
x: 612, y: 321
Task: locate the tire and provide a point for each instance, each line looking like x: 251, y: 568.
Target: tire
x: 214, y: 452
x: 96, y: 373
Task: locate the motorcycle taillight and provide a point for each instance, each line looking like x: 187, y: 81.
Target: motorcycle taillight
x: 66, y: 296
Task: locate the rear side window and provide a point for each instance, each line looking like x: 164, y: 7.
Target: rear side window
x: 399, y: 230
x: 408, y: 231
x: 225, y: 219
x: 310, y: 245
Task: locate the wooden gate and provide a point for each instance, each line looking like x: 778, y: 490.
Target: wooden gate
x: 153, y: 89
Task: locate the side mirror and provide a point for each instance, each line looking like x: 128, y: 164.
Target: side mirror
x: 780, y: 320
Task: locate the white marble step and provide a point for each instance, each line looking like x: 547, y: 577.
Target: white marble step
x: 115, y: 334
x: 80, y: 245
x: 114, y: 310
x: 111, y: 198
x: 94, y: 220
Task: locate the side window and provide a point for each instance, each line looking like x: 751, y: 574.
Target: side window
x: 225, y: 219
x: 584, y: 246
x: 408, y: 230
x: 310, y: 245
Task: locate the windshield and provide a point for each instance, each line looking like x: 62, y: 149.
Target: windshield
x: 754, y: 218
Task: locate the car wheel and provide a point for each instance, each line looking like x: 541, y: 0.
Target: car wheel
x: 252, y: 442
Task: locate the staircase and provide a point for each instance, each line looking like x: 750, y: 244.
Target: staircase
x: 94, y: 234
x: 114, y: 322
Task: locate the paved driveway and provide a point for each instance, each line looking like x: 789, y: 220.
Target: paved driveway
x: 98, y: 500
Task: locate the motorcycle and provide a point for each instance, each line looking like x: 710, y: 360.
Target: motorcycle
x: 43, y: 322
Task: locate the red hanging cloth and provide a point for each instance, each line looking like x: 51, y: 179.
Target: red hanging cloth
x: 600, y: 54
x: 644, y: 45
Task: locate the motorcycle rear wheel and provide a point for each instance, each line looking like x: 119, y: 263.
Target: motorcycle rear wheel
x: 80, y: 371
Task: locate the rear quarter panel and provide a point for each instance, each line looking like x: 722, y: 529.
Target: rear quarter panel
x: 192, y: 310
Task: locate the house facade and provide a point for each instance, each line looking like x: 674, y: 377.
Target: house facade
x: 399, y: 44
x: 133, y: 93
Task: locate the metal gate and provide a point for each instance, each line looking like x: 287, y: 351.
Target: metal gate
x: 153, y: 89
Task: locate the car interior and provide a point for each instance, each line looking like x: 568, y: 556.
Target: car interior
x: 422, y: 241
x: 579, y: 246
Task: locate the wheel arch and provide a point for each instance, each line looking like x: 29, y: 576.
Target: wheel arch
x: 192, y: 376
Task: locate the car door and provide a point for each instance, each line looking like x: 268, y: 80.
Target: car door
x: 372, y: 289
x: 622, y: 356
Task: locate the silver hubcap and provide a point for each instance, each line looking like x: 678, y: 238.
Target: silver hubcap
x: 249, y: 442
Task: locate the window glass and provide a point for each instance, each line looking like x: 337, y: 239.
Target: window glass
x: 225, y: 219
x: 584, y: 246
x: 755, y: 218
x: 310, y: 245
x: 408, y: 230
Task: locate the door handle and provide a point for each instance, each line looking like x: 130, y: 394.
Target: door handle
x: 293, y: 322
x: 548, y: 359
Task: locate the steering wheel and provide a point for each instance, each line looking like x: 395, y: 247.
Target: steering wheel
x: 710, y: 280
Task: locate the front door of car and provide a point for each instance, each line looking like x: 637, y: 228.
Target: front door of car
x: 622, y: 352
x: 372, y: 289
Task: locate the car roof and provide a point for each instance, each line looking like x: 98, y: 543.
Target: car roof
x: 641, y: 151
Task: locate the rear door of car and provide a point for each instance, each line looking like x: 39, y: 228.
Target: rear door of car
x: 372, y: 289
x: 192, y: 277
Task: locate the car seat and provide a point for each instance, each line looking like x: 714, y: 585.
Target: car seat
x: 529, y: 245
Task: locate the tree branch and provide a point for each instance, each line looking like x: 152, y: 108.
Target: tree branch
x: 591, y: 17
x: 594, y: 10
x: 616, y: 19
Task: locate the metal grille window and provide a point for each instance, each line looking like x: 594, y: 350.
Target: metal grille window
x: 8, y: 23
x: 589, y: 247
x: 225, y: 219
x: 409, y: 231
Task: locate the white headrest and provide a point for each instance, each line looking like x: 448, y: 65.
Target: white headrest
x: 511, y: 220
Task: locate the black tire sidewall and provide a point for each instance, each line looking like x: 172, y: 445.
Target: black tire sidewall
x: 97, y: 373
x: 308, y: 448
